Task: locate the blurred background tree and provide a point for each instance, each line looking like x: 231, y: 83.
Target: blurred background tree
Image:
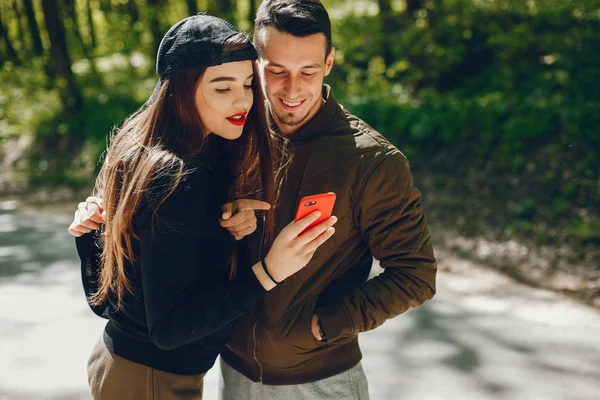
x: 495, y: 102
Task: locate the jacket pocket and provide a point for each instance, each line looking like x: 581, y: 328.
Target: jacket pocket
x: 307, y: 324
x: 290, y: 344
x: 300, y: 337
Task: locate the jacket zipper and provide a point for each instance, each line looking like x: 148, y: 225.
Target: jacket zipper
x: 260, y: 371
x: 254, y: 344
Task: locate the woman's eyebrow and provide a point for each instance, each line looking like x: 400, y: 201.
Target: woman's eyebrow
x: 228, y: 78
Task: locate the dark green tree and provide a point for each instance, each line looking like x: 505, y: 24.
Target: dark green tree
x: 133, y: 10
x: 71, y: 13
x: 223, y: 8
x: 60, y: 58
x: 90, y: 22
x: 19, y: 22
x: 413, y: 6
x: 388, y: 26
x: 251, y: 11
x: 192, y: 7
x: 154, y: 10
x: 34, y: 30
x: 11, y: 54
x: 106, y: 7
x: 69, y: 6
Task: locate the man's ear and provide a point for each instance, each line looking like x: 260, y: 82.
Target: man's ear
x: 329, y: 61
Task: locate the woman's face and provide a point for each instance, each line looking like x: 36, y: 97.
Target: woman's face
x: 224, y: 97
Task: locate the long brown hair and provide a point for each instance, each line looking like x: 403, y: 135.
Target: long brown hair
x: 153, y: 144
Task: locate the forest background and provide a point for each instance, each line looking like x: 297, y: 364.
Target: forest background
x: 495, y: 103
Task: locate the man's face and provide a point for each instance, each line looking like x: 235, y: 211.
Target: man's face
x: 292, y: 71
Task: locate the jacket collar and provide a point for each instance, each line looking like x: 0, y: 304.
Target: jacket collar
x: 317, y: 125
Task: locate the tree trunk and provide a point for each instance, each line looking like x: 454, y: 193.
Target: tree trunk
x: 105, y: 7
x: 433, y: 15
x: 72, y: 14
x: 34, y: 29
x: 10, y: 50
x: 385, y: 7
x: 90, y: 22
x: 251, y: 12
x: 20, y: 29
x: 412, y: 6
x: 388, y: 27
x: 223, y: 9
x: 60, y: 59
x: 192, y: 7
x: 229, y: 11
x: 154, y: 24
x: 134, y: 11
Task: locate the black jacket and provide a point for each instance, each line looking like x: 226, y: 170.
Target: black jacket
x: 179, y: 315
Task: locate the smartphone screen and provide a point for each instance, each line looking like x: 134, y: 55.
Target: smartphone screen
x: 323, y: 202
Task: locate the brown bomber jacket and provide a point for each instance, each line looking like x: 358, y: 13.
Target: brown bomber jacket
x: 380, y: 215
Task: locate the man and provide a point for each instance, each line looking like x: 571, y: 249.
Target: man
x: 302, y: 342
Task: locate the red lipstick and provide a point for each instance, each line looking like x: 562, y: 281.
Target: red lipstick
x: 236, y: 120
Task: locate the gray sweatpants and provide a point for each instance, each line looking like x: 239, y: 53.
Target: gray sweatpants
x: 349, y: 385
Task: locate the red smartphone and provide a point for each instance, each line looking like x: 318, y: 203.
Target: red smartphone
x: 323, y: 202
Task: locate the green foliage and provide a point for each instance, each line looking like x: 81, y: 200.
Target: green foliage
x: 93, y: 123
x: 496, y: 99
x: 30, y: 111
x: 487, y: 89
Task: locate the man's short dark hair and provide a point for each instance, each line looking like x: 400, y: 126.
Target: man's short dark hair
x: 296, y: 17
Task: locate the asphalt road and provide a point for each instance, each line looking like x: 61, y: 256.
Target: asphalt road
x: 483, y: 336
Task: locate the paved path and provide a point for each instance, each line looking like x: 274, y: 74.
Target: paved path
x: 482, y: 337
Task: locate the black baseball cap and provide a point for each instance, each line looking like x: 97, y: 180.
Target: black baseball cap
x: 197, y: 42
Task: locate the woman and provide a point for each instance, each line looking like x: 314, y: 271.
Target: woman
x: 168, y: 280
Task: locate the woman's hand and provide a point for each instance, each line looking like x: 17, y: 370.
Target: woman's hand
x: 239, y: 216
x: 291, y: 251
x: 88, y: 217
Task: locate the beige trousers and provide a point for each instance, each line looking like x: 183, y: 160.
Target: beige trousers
x: 114, y: 378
